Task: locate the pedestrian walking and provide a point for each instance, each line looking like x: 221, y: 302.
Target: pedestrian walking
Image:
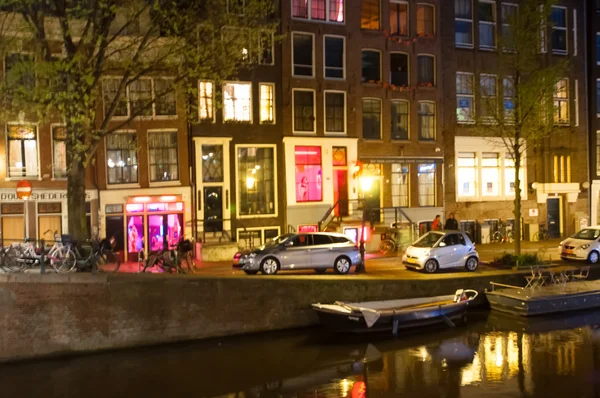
x: 451, y: 223
x: 437, y: 224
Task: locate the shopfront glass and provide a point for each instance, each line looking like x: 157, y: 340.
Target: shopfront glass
x: 135, y: 234
x: 164, y: 229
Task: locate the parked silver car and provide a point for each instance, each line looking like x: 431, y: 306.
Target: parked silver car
x: 441, y: 249
x: 584, y: 245
x: 319, y: 251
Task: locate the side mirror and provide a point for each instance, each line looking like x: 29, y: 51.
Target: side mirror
x: 442, y: 244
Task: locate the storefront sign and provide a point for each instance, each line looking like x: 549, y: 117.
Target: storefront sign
x: 41, y: 195
x: 308, y: 228
x: 400, y: 159
x: 45, y: 208
x: 12, y: 208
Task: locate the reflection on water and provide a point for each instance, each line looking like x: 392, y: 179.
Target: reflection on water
x: 493, y: 355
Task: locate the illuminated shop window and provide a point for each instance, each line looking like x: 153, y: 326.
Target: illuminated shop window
x: 466, y: 174
x: 237, y: 102
x: 309, y: 174
x: 426, y: 180
x: 22, y: 151
x: 256, y: 180
x: 400, y: 185
x: 490, y: 174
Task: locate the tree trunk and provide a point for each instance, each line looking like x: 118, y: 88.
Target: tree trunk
x: 517, y: 210
x: 77, y: 225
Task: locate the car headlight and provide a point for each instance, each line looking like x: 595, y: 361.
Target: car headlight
x: 584, y: 246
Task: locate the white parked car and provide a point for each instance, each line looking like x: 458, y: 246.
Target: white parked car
x: 441, y: 249
x: 584, y: 245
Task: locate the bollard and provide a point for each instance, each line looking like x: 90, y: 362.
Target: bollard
x: 42, y: 258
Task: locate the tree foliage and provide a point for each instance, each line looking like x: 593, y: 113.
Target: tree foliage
x: 59, y: 54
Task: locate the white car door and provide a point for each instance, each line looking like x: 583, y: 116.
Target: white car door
x: 450, y: 251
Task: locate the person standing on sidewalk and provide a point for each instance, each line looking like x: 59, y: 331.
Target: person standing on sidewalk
x: 451, y: 223
x: 437, y: 224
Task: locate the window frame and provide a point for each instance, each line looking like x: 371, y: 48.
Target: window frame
x: 405, y: 3
x: 504, y: 24
x: 434, y: 116
x: 362, y: 78
x: 471, y: 96
x: 129, y: 183
x: 212, y: 100
x: 434, y: 71
x: 127, y: 98
x: 462, y: 155
x: 260, y: 103
x: 464, y: 20
x: 507, y: 119
x: 325, y: 67
x: 327, y: 13
x: 275, y: 182
x: 52, y: 127
x: 433, y: 21
x: 380, y: 137
x: 38, y: 175
x: 312, y: 35
x: 408, y: 71
x: 250, y: 102
x: 378, y: 16
x: 393, y: 102
x: 392, y: 184
x: 435, y: 189
x: 487, y: 118
x: 314, y: 116
x: 493, y: 24
x: 556, y: 99
x: 565, y: 29
x: 163, y: 131
x: 345, y: 121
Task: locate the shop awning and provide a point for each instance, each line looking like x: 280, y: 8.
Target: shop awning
x: 400, y: 159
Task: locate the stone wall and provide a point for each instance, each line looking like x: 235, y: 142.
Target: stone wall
x: 53, y: 314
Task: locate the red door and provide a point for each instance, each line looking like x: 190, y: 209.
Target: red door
x: 340, y: 192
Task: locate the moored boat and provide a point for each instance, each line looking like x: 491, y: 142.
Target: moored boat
x: 545, y: 300
x: 394, y: 315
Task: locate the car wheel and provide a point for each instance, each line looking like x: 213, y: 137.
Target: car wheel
x: 342, y: 265
x: 472, y: 264
x: 249, y: 272
x: 431, y: 266
x: 269, y: 266
x: 593, y: 257
x: 320, y: 270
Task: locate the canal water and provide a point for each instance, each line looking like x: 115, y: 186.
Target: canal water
x: 493, y: 355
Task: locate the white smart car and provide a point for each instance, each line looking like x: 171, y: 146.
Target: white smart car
x: 441, y: 249
x: 584, y: 245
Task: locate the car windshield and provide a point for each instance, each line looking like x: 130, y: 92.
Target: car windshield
x: 587, y: 234
x: 429, y: 239
x: 276, y: 241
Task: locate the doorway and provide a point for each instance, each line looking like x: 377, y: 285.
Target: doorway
x: 553, y: 205
x: 50, y: 224
x: 114, y: 228
x: 213, y: 209
x: 13, y: 230
x: 340, y: 192
x: 373, y: 202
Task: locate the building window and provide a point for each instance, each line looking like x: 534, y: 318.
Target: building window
x: 463, y: 23
x: 425, y: 20
x: 237, y: 102
x: 466, y: 174
x: 399, y: 116
x: 426, y: 121
x: 267, y: 103
x: 400, y: 185
x: 265, y: 48
x: 162, y: 154
x: 561, y: 102
x: 110, y: 88
x: 598, y: 152
x: 490, y: 174
x: 164, y: 97
x: 309, y: 174
x: 508, y: 87
x: 508, y: 13
x: 371, y: 66
x: 371, y: 119
x: 487, y: 85
x: 304, y: 110
x: 302, y: 54
x: 399, y: 69
x: 562, y: 169
x: 206, y: 97
x: 464, y: 97
x: 256, y: 180
x: 22, y: 151
x: 59, y: 152
x: 19, y: 71
x: 399, y: 18
x: 121, y: 158
x: 426, y: 70
x: 426, y: 179
x: 487, y: 25
x: 142, y: 97
x: 370, y: 14
x: 212, y: 163
x: 319, y: 10
x: 334, y: 57
x: 559, y: 30
x: 335, y: 112
x: 598, y: 48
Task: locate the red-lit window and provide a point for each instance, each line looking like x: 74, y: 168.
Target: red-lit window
x: 309, y: 174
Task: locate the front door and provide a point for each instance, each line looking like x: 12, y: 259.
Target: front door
x: 340, y: 192
x: 373, y: 202
x: 213, y: 209
x: 553, y: 205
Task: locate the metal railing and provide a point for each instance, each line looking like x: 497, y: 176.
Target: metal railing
x: 215, y: 228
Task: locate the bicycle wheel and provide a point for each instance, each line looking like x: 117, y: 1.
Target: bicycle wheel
x: 387, y: 246
x: 9, y: 260
x: 497, y: 237
x: 111, y: 261
x: 67, y: 264
x: 510, y: 236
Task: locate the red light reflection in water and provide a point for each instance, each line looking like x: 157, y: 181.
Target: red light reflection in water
x: 359, y: 389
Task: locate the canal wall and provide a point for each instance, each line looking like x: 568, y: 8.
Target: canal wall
x: 53, y: 314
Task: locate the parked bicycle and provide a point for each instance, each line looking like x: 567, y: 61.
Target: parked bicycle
x: 168, y: 260
x: 390, y: 241
x: 542, y: 234
x: 503, y: 234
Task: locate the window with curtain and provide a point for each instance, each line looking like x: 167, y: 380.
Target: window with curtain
x: 304, y: 110
x: 110, y: 87
x: 256, y: 180
x: 121, y: 158
x: 426, y: 181
x: 400, y: 185
x: 490, y: 174
x: 237, y: 102
x: 370, y: 14
x: 267, y: 102
x: 140, y: 97
x: 162, y: 156
x: 22, y: 151
x: 319, y: 10
x: 466, y: 174
x: 335, y: 111
x: 206, y: 98
x: 371, y: 119
x: 400, y: 120
x: 165, y: 102
x: 463, y: 23
x: 561, y: 102
x: 426, y: 114
x: 425, y: 20
x: 399, y: 18
x: 426, y: 70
